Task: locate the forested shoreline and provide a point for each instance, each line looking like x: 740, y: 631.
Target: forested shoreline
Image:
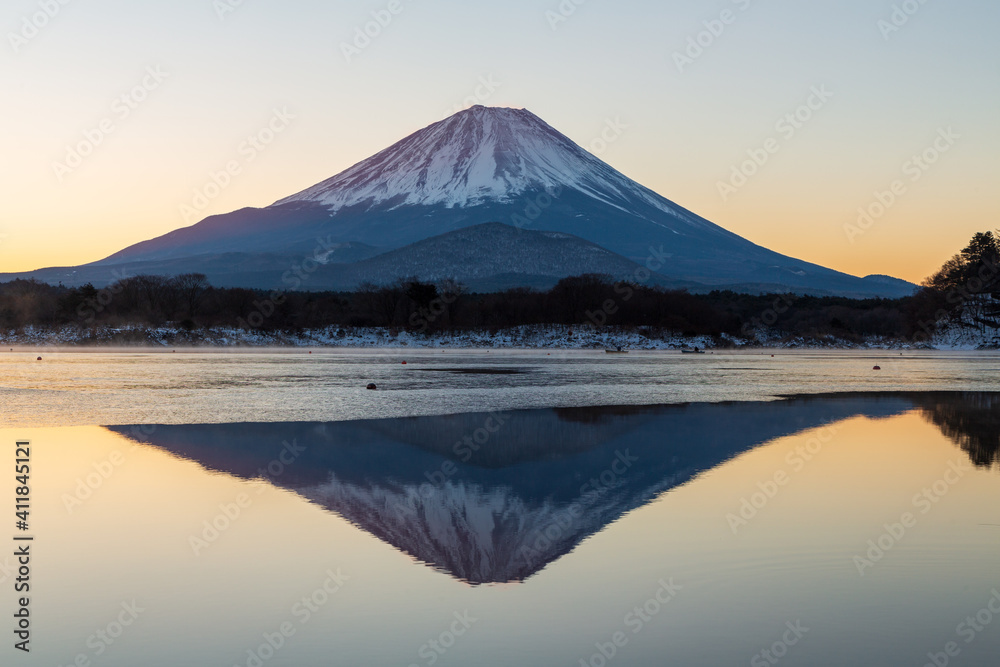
x: 964, y: 295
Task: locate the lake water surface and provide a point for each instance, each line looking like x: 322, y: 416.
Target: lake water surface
x: 517, y: 509
x: 157, y: 387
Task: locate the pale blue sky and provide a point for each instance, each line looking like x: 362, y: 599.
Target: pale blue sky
x: 609, y: 60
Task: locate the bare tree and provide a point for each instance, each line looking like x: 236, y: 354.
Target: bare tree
x: 190, y: 287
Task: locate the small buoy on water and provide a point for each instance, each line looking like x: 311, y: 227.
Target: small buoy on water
x: 772, y: 356
x: 373, y: 386
x: 404, y: 363
x: 39, y: 358
x: 877, y: 368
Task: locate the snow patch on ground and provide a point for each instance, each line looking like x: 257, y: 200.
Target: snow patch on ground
x: 534, y: 337
x: 523, y: 337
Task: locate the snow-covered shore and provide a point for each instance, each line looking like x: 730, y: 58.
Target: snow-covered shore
x: 524, y: 337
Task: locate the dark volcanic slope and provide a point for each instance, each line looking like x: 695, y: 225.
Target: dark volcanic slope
x: 494, y: 256
x: 485, y: 257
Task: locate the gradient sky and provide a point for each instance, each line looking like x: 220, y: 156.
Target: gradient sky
x: 686, y: 130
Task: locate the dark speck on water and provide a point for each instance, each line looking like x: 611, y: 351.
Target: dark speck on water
x: 476, y: 371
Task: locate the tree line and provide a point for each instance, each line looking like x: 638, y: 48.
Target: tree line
x: 965, y: 291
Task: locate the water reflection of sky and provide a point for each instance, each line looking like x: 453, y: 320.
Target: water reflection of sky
x: 354, y: 503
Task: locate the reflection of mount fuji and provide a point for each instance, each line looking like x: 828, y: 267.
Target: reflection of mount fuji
x: 540, y: 483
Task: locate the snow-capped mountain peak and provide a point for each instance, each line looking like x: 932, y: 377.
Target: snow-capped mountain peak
x: 481, y: 154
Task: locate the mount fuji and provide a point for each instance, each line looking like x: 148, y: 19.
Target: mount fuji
x: 481, y: 165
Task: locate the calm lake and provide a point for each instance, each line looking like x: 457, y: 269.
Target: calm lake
x: 516, y: 509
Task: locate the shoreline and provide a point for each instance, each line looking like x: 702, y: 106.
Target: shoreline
x: 524, y: 338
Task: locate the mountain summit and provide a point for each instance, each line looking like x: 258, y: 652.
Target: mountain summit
x: 478, y: 166
x: 478, y: 156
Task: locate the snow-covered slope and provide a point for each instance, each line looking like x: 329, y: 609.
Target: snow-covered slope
x: 477, y: 156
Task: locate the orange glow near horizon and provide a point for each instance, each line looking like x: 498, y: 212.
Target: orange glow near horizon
x: 686, y: 128
x: 807, y: 230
